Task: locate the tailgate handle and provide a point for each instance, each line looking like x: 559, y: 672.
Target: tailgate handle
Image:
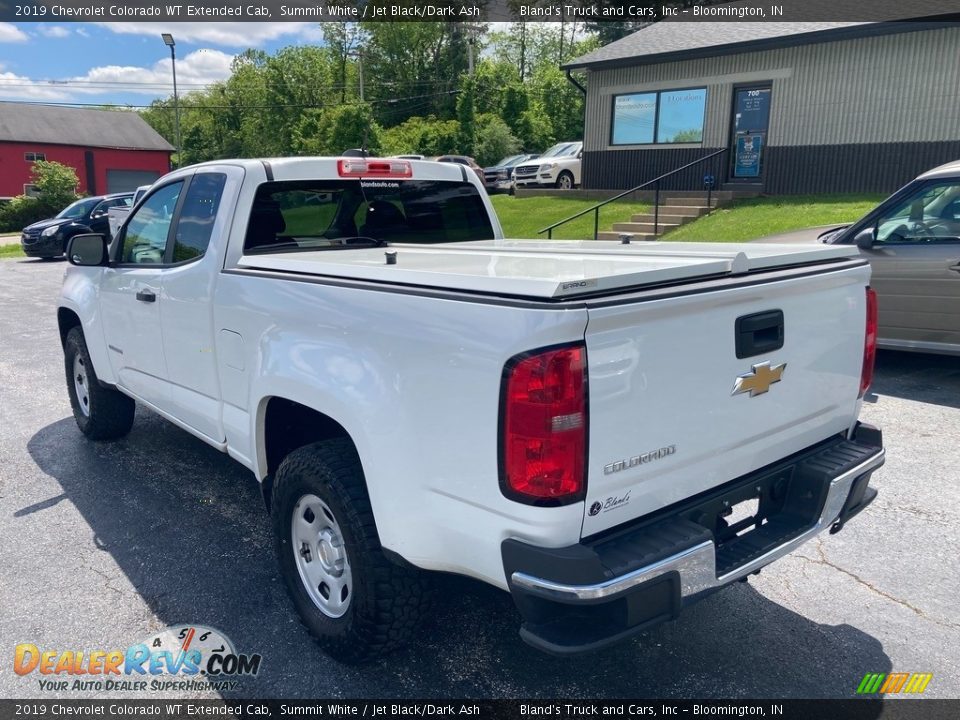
x: 759, y: 333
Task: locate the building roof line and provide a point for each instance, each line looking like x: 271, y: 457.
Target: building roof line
x: 625, y: 56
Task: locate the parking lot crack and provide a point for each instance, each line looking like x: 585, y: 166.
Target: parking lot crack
x: 107, y: 580
x: 823, y: 560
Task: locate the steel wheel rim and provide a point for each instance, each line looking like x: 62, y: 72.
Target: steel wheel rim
x: 81, y: 385
x: 321, y: 556
x: 565, y: 182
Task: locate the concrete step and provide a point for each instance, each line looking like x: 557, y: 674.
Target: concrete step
x: 692, y: 201
x: 643, y: 227
x: 664, y: 218
x: 615, y: 236
x: 693, y: 211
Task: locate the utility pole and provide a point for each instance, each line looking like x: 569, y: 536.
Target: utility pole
x: 472, y: 32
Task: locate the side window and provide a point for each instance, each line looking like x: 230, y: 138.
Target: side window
x: 101, y: 209
x: 145, y: 240
x: 197, y: 216
x: 932, y: 214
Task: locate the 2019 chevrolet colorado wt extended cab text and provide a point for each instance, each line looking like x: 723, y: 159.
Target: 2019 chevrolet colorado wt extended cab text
x: 607, y: 431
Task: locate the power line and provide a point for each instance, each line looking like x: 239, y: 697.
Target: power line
x: 305, y: 106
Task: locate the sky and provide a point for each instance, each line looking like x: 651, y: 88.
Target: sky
x: 127, y: 63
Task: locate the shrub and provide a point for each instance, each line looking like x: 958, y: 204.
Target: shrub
x: 57, y: 187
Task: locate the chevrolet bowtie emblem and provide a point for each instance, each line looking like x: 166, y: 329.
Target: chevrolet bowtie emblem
x: 759, y: 379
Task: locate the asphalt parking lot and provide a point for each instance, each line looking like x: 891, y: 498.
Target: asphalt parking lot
x: 103, y: 544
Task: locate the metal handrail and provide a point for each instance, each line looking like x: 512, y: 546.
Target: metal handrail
x: 595, y: 209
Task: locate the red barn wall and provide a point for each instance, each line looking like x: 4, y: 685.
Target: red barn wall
x: 15, y: 171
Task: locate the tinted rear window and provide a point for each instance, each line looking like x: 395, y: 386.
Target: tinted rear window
x: 334, y: 214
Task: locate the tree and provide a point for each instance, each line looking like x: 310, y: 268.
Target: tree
x: 494, y: 140
x: 56, y: 188
x: 333, y: 130
x: 56, y: 183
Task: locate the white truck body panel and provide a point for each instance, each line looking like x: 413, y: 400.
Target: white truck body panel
x: 662, y: 373
x: 409, y: 359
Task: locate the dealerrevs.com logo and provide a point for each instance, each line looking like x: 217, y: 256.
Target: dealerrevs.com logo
x: 180, y: 657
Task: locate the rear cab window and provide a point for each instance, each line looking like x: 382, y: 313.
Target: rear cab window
x: 297, y: 215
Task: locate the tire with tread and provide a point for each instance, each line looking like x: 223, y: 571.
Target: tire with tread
x: 567, y: 176
x: 387, y: 599
x: 111, y: 412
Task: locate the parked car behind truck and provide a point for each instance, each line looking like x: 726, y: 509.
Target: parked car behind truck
x: 48, y: 238
x: 558, y: 167
x: 608, y: 432
x: 912, y: 241
x: 499, y: 177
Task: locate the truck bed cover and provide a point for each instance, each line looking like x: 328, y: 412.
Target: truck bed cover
x: 545, y: 268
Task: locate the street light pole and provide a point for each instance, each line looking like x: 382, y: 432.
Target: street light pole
x: 168, y: 40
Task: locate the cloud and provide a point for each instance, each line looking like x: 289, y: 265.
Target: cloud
x: 20, y: 87
x: 228, y: 34
x: 199, y: 68
x: 194, y: 70
x: 10, y: 33
x: 53, y: 31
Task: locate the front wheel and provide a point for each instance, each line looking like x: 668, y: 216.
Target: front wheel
x: 101, y: 413
x: 565, y: 181
x: 356, y: 603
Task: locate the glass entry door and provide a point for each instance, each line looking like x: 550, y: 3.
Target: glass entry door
x: 751, y: 117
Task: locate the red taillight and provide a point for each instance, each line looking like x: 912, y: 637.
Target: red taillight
x: 363, y: 167
x: 869, y: 342
x: 544, y: 432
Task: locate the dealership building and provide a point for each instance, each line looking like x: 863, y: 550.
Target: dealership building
x: 111, y: 151
x: 808, y: 107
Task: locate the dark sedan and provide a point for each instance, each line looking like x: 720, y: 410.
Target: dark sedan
x: 48, y: 238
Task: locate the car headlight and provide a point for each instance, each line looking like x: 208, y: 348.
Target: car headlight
x: 52, y: 230
x: 548, y: 166
x: 503, y: 174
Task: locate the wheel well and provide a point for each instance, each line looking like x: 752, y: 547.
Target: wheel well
x: 288, y: 425
x: 67, y: 320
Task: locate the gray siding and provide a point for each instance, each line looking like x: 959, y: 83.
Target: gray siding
x: 892, y: 88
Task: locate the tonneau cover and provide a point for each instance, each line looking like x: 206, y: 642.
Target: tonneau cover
x: 545, y: 268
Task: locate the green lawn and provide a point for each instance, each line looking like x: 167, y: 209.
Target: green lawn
x: 10, y: 251
x: 522, y: 217
x: 754, y: 218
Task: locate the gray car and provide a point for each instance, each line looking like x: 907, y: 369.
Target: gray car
x: 912, y: 240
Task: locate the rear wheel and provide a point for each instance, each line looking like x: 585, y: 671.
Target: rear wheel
x: 565, y: 181
x: 101, y: 413
x: 356, y: 603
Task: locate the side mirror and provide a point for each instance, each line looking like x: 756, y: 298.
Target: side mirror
x: 87, y: 250
x: 865, y: 238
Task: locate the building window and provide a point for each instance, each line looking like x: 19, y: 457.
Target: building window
x: 668, y: 116
x: 31, y: 190
x: 34, y: 156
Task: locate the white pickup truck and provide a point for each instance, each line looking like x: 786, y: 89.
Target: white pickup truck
x: 607, y: 431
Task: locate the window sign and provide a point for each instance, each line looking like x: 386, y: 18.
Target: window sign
x: 753, y: 110
x: 681, y: 116
x: 747, y: 160
x: 633, y: 118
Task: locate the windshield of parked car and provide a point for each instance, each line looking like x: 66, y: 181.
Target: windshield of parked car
x: 562, y: 150
x: 511, y: 160
x: 930, y: 213
x: 337, y: 214
x: 79, y: 209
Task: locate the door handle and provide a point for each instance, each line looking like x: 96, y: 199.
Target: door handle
x: 146, y: 296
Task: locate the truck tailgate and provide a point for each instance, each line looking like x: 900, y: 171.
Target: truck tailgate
x: 666, y: 422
